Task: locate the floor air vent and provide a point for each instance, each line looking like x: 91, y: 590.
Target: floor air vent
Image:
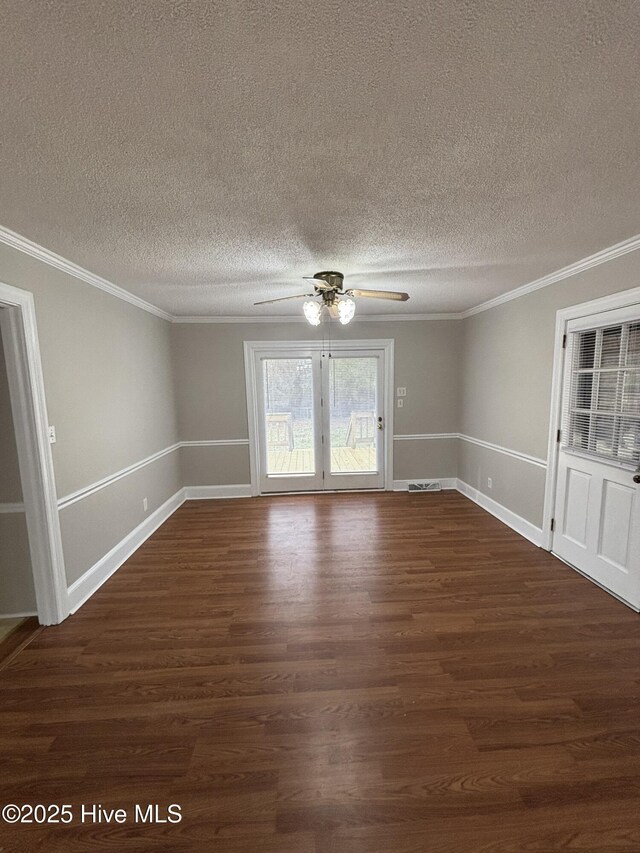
x: 433, y: 486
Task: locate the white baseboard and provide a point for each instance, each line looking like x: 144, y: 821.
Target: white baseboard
x: 445, y: 482
x: 515, y: 522
x: 22, y: 615
x: 198, y: 493
x: 93, y: 578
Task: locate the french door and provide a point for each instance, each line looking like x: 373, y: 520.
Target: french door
x: 319, y: 418
x: 597, y: 514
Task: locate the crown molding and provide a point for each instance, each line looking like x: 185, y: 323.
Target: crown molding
x: 28, y: 247
x: 366, y: 318
x: 392, y: 318
x: 630, y: 245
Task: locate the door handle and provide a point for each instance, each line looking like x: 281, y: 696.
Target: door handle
x: 636, y: 478
x: 380, y: 424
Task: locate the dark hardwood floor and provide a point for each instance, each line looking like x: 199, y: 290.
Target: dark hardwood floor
x: 21, y: 635
x: 373, y: 673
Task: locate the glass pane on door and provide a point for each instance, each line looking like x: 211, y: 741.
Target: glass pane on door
x: 353, y: 388
x: 288, y: 416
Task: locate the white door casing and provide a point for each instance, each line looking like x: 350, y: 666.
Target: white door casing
x: 26, y: 388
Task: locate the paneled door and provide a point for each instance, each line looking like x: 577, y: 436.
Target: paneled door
x: 597, y: 515
x: 320, y: 419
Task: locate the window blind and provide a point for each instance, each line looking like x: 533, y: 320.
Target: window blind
x: 602, y: 412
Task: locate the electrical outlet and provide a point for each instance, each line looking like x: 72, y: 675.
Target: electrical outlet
x: 400, y: 402
x: 145, y: 504
x: 489, y: 483
x: 52, y: 435
x: 401, y: 392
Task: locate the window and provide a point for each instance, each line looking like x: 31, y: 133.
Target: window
x: 602, y: 414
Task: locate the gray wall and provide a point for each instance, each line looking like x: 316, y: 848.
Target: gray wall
x: 505, y: 382
x: 17, y: 593
x: 211, y: 396
x: 108, y: 382
x: 122, y: 384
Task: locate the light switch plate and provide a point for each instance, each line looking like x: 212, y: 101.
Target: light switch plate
x: 52, y: 435
x: 401, y: 392
x: 400, y: 402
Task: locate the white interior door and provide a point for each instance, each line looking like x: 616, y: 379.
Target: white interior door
x: 320, y: 419
x: 597, y: 512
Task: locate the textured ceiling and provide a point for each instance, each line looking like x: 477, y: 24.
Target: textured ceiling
x: 205, y: 155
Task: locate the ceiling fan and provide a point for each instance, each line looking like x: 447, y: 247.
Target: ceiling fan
x: 328, y: 286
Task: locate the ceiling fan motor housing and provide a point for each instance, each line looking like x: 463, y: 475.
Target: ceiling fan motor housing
x: 333, y: 279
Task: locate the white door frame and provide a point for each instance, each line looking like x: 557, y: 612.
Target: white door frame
x: 622, y: 299
x: 252, y: 348
x: 29, y: 409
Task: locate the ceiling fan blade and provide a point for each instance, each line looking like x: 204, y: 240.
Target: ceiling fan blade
x: 282, y: 298
x: 380, y: 294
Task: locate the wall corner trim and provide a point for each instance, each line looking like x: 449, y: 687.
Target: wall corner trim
x: 28, y: 247
x: 506, y: 516
x: 83, y: 588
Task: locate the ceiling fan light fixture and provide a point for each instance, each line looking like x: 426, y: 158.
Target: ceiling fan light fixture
x: 312, y: 311
x: 346, y: 310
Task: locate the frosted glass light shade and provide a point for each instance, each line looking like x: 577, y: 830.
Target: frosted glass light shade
x: 346, y: 310
x: 312, y: 312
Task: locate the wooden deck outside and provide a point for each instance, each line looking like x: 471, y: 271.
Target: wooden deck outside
x: 343, y: 460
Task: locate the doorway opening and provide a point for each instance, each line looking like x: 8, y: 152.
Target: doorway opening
x: 319, y: 420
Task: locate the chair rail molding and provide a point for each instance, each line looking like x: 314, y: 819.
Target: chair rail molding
x: 85, y: 491
x: 506, y: 451
x: 426, y: 436
x: 11, y: 508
